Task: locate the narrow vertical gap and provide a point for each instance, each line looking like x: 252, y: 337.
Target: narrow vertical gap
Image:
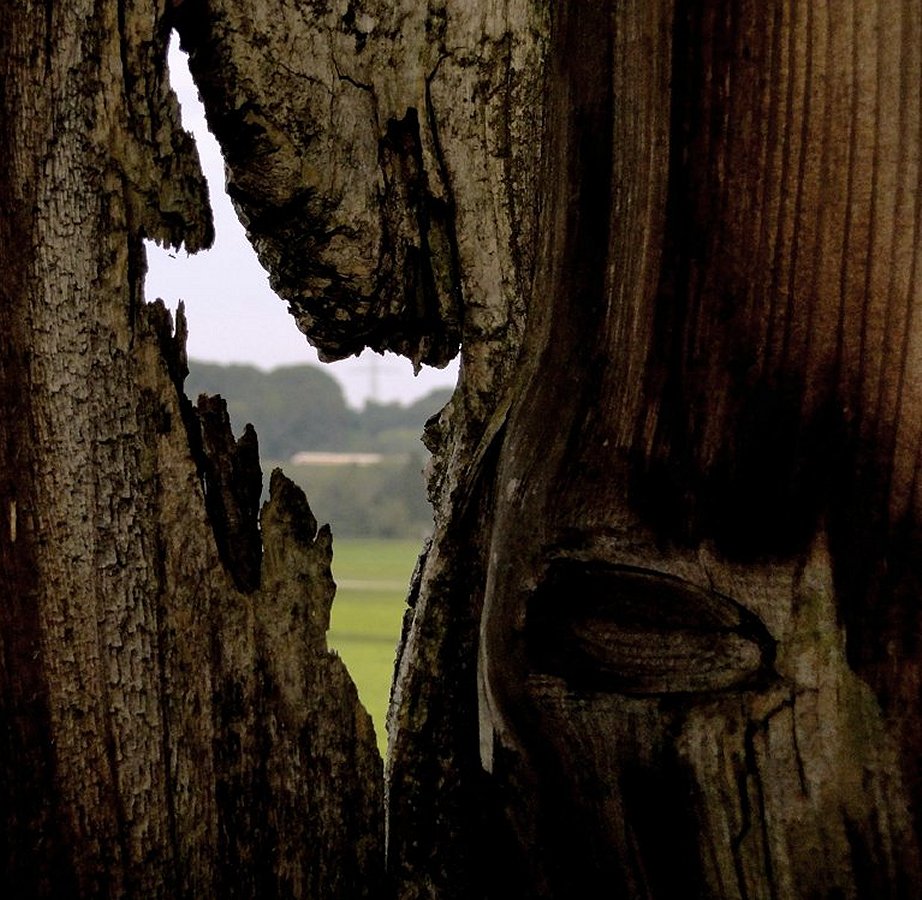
x: 348, y: 432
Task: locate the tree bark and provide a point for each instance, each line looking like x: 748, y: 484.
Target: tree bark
x: 170, y: 709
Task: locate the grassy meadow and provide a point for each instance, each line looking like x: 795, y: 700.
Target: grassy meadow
x: 371, y: 588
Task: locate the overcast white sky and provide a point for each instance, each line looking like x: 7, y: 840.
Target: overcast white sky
x: 233, y: 315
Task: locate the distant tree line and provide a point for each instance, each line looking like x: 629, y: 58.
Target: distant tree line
x: 387, y: 500
x: 302, y: 408
x: 295, y: 408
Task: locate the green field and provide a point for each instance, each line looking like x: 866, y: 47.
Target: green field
x: 371, y: 588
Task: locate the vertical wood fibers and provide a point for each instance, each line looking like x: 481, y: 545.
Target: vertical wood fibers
x: 719, y: 402
x: 28, y: 794
x: 718, y: 387
x: 792, y: 246
x: 707, y: 484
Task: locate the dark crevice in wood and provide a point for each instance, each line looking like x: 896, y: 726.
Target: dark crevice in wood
x: 439, y: 845
x: 757, y: 810
x: 666, y: 854
x: 443, y: 246
x: 229, y: 468
x: 431, y: 283
x: 232, y: 480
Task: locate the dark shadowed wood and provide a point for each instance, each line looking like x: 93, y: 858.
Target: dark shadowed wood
x: 735, y: 424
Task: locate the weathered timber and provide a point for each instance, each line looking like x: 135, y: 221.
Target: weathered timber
x: 173, y: 723
x: 731, y: 251
x: 679, y: 533
x: 665, y: 640
x: 364, y: 145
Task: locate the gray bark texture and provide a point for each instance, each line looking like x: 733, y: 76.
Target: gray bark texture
x: 665, y: 641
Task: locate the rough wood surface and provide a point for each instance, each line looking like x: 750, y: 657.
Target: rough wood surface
x: 684, y: 523
x: 173, y: 724
x: 732, y: 298
x: 367, y: 144
x: 667, y: 629
x: 682, y: 528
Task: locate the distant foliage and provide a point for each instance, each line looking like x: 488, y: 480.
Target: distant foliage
x: 302, y: 408
x: 381, y: 501
x: 295, y: 408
